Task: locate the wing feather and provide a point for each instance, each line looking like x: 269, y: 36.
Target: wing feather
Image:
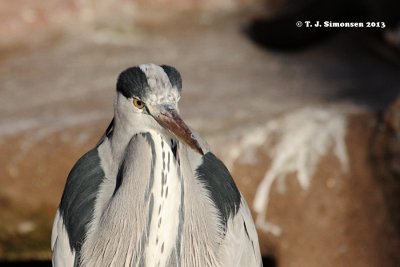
x: 76, y: 209
x: 240, y: 246
x: 63, y: 255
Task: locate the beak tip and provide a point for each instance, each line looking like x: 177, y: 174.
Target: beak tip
x: 172, y: 121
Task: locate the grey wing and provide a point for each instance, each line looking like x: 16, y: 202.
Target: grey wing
x: 240, y: 245
x: 76, y: 209
x: 63, y: 254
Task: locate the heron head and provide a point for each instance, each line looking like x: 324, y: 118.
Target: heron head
x: 147, y: 99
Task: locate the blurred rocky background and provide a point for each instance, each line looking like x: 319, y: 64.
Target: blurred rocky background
x: 306, y: 119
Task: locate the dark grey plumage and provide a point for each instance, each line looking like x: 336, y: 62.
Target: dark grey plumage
x: 132, y: 82
x: 78, y: 200
x: 174, y: 76
x: 219, y: 182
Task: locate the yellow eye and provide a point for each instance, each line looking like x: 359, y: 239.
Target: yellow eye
x: 138, y: 103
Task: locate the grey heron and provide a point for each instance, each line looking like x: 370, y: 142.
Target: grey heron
x: 151, y: 193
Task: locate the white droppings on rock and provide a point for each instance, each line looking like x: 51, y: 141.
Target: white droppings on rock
x: 295, y: 142
x: 26, y: 227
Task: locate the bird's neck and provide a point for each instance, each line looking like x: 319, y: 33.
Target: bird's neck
x: 119, y: 140
x: 123, y: 132
x: 148, y: 196
x: 165, y: 213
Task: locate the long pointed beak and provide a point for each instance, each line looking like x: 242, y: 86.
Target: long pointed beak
x: 169, y: 118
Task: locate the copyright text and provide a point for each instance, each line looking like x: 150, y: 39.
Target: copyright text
x: 337, y: 24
